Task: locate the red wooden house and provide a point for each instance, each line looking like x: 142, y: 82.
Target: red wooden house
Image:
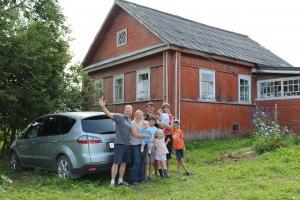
x: 212, y: 78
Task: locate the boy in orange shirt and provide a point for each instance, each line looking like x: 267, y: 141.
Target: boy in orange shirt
x: 178, y: 146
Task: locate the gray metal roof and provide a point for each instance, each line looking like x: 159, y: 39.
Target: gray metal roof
x: 185, y: 33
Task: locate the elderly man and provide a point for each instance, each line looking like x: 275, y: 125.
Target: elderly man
x: 122, y: 153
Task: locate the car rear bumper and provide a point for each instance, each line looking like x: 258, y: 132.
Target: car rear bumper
x: 92, y: 168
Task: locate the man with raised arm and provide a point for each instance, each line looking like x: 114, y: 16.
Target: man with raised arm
x: 122, y: 153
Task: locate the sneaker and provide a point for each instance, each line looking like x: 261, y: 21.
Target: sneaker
x: 123, y: 183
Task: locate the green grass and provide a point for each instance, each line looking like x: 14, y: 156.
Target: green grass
x: 273, y: 175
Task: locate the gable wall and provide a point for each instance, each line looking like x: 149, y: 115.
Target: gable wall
x: 138, y: 37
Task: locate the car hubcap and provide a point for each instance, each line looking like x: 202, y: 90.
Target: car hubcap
x: 13, y: 162
x: 63, y: 168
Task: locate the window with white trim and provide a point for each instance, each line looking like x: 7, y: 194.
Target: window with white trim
x: 99, y: 89
x: 121, y: 37
x: 143, y: 84
x: 118, y: 90
x: 291, y: 87
x: 282, y: 88
x: 207, y: 84
x: 244, y: 89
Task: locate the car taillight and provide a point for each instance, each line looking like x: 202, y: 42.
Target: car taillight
x: 88, y: 140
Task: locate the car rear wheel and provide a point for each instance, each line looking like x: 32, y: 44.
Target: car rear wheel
x: 14, y: 162
x: 64, y: 168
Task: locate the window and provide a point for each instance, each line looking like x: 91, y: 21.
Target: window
x: 244, y: 89
x: 66, y: 124
x: 207, y: 84
x: 118, y: 89
x: 143, y: 84
x: 283, y: 88
x: 291, y: 87
x: 99, y: 90
x: 50, y: 126
x: 98, y: 125
x: 122, y: 38
x: 33, y: 130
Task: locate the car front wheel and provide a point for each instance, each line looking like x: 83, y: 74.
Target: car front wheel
x: 14, y: 162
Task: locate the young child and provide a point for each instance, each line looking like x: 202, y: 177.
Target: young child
x: 178, y: 146
x: 151, y: 149
x: 146, y: 131
x: 160, y: 153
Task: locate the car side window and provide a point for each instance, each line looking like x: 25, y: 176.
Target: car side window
x: 66, y: 124
x: 33, y: 131
x: 50, y: 126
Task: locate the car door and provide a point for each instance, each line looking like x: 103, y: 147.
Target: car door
x: 48, y: 140
x: 27, y: 146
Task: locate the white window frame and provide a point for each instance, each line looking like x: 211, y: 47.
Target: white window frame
x: 211, y: 72
x: 121, y: 76
x: 117, y: 37
x: 248, y: 78
x: 95, y: 86
x: 258, y: 98
x: 138, y: 73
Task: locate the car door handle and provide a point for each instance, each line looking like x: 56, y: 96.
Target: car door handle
x: 53, y: 141
x: 33, y: 142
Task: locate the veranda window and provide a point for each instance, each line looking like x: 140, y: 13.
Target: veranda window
x: 284, y: 88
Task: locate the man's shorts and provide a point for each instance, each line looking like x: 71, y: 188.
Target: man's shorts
x: 179, y: 154
x: 122, y: 154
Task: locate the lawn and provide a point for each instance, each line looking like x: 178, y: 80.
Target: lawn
x: 222, y: 169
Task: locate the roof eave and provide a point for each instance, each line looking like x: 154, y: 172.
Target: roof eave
x: 272, y: 71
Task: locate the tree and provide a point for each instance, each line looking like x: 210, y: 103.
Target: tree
x: 34, y: 53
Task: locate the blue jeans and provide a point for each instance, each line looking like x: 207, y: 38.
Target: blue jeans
x: 138, y: 163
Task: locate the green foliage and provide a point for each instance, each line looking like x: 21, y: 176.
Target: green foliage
x: 268, y: 134
x: 34, y: 53
x: 273, y: 175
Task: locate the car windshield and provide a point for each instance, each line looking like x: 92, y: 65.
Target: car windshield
x: 98, y: 125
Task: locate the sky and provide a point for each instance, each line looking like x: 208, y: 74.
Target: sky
x: 275, y: 24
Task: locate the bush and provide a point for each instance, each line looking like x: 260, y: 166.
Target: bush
x: 268, y: 135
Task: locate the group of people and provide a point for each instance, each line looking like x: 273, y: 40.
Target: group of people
x: 147, y: 142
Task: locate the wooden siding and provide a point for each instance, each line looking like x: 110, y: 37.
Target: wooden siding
x: 214, y: 120
x: 155, y: 63
x: 201, y: 120
x: 226, y: 75
x: 105, y: 46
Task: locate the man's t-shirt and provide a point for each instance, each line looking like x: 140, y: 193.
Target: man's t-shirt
x: 123, y: 129
x: 178, y: 142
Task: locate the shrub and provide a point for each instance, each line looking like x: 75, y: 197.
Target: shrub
x: 268, y: 135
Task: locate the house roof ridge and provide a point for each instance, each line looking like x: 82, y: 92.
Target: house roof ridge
x: 183, y: 18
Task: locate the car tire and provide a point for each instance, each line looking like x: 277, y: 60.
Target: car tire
x: 14, y: 162
x: 64, y: 168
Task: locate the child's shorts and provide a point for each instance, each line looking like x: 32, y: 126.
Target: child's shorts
x: 179, y: 154
x: 152, y: 157
x: 161, y: 157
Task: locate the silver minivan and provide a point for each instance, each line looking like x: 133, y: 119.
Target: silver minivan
x: 72, y: 144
